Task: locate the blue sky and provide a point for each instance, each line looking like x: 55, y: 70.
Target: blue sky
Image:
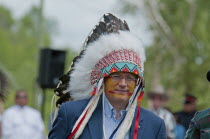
x: 76, y: 18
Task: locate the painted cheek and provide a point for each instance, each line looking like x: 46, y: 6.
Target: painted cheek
x: 109, y: 85
x: 132, y: 88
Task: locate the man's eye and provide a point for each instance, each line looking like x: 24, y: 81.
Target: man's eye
x: 130, y: 78
x: 116, y: 76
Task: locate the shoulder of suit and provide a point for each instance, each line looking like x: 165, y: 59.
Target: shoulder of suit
x: 74, y: 106
x: 77, y: 102
x: 149, y: 115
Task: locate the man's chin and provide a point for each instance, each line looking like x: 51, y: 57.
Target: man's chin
x: 121, y: 99
x: 121, y: 93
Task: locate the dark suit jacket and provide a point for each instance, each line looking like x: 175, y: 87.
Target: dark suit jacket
x: 151, y: 126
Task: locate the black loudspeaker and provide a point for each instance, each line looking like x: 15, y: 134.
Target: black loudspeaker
x: 51, y: 67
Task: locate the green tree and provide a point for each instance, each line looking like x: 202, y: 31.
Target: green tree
x: 179, y: 55
x: 19, y: 48
x: 19, y: 53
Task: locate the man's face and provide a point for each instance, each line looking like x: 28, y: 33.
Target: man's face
x: 190, y: 107
x: 21, y: 99
x: 155, y: 102
x: 120, y: 86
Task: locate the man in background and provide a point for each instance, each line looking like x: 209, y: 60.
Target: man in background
x: 189, y: 109
x: 21, y: 121
x: 157, y: 98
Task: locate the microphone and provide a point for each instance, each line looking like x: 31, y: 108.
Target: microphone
x: 208, y: 75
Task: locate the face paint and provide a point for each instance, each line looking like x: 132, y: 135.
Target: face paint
x: 121, y: 90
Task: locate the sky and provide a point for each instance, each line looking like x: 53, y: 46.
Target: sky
x: 76, y: 18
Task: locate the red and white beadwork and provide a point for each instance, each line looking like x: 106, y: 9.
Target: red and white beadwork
x: 118, y: 56
x: 122, y: 55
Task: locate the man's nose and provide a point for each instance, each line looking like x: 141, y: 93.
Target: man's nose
x: 123, y: 82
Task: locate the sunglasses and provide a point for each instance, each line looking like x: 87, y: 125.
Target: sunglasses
x: 21, y: 96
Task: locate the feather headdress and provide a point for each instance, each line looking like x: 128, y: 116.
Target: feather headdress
x: 109, y: 48
x: 4, y: 85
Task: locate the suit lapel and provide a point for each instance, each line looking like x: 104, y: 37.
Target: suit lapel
x: 95, y: 122
x: 141, y: 125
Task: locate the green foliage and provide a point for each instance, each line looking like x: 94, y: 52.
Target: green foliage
x: 179, y: 56
x: 19, y: 54
x: 184, y: 68
x: 19, y: 51
x: 6, y: 19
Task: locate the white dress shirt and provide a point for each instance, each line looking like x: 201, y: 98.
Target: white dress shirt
x: 110, y: 122
x: 22, y: 123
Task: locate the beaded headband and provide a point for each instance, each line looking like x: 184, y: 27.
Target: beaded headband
x: 120, y: 60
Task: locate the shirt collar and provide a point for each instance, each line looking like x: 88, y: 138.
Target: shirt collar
x: 109, y: 110
x: 19, y: 107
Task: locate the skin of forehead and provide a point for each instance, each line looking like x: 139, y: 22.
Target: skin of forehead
x: 22, y: 93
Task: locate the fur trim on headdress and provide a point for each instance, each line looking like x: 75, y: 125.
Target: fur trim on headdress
x: 80, y: 84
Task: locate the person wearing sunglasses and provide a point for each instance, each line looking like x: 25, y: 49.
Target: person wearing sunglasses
x: 21, y: 121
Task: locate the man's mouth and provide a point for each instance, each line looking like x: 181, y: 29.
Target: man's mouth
x: 121, y: 92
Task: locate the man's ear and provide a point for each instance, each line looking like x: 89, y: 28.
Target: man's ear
x: 105, y: 78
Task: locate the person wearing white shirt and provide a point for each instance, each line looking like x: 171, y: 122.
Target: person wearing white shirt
x: 156, y: 98
x: 21, y: 121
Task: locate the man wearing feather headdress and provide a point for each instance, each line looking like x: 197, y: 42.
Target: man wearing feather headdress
x: 106, y: 83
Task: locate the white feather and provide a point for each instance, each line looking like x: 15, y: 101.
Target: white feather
x: 80, y: 85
